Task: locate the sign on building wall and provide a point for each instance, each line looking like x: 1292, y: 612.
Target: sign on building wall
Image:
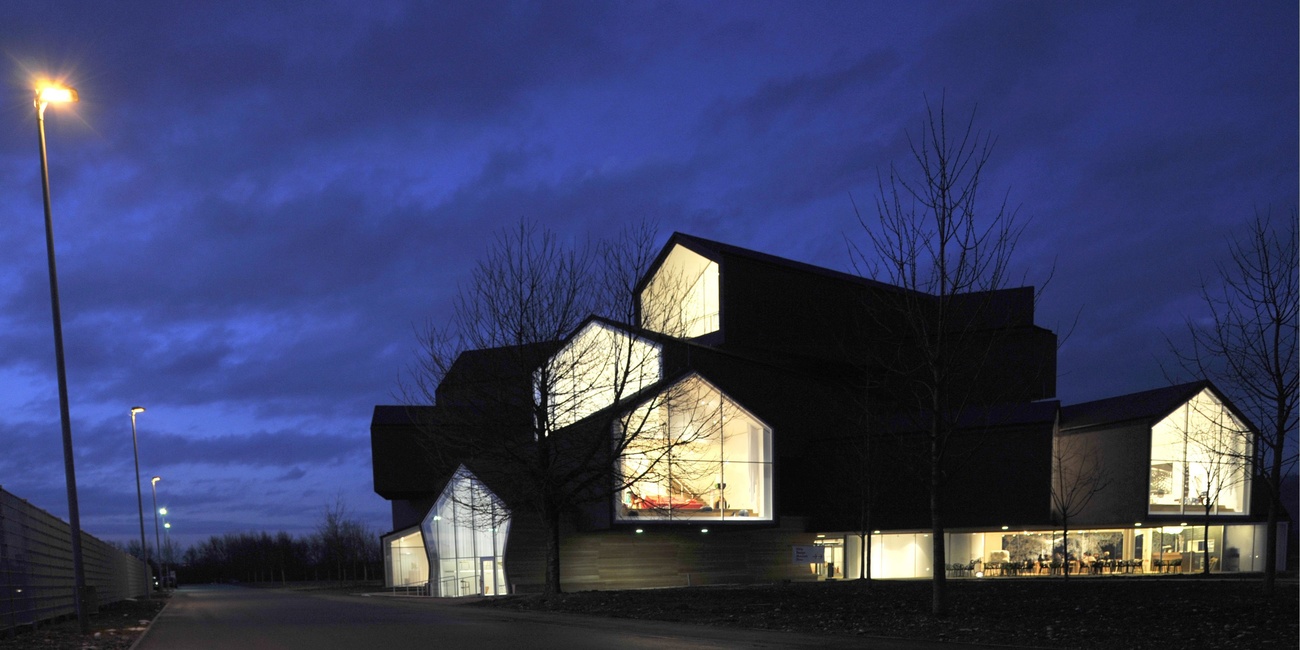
x: 808, y: 554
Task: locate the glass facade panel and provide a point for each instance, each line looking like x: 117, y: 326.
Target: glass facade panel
x: 1199, y: 459
x: 697, y: 455
x: 465, y: 533
x: 1133, y: 551
x: 406, y: 560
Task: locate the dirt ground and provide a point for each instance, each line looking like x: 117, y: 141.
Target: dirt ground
x: 114, y: 627
x: 1084, y: 612
x: 1044, y: 612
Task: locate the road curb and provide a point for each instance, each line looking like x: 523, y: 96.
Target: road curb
x: 147, y: 629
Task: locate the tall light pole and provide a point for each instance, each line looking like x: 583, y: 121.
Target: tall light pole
x: 45, y: 94
x: 153, y: 483
x: 167, y: 531
x: 139, y: 499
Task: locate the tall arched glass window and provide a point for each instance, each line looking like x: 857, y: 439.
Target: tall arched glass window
x: 465, y: 536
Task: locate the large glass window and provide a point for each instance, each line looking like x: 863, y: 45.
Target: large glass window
x: 1145, y: 551
x: 682, y: 298
x: 405, y: 559
x: 465, y: 533
x: 696, y: 455
x: 1199, y: 458
x: 905, y: 555
x: 598, y: 366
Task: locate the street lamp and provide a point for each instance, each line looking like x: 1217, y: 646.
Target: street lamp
x: 153, y: 483
x: 139, y: 499
x: 45, y: 94
x: 167, y: 535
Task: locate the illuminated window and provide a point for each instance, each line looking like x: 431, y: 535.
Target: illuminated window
x: 406, y: 563
x: 465, y: 533
x: 682, y: 298
x: 1199, y: 456
x: 696, y: 455
x: 598, y: 366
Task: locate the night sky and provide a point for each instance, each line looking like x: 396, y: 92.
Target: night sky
x: 257, y: 204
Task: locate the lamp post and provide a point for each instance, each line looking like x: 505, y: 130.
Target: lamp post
x: 139, y: 499
x: 45, y: 94
x: 153, y: 483
x: 167, y: 535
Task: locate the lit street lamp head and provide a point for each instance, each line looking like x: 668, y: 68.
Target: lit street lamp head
x: 47, y: 93
x: 56, y: 94
x: 137, y: 409
x: 155, y: 480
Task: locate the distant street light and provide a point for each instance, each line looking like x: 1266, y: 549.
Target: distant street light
x: 139, y: 499
x: 167, y: 535
x: 45, y: 94
x: 153, y: 482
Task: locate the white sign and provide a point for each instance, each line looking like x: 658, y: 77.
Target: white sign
x: 808, y: 554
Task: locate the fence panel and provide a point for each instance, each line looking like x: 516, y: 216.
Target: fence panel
x: 36, y: 581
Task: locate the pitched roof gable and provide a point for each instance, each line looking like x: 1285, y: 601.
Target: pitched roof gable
x: 1146, y: 406
x: 715, y: 251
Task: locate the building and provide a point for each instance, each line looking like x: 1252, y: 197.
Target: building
x: 765, y: 429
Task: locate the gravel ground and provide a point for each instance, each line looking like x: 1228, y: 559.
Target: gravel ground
x: 1084, y: 612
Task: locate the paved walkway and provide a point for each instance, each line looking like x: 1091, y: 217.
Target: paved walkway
x: 222, y: 617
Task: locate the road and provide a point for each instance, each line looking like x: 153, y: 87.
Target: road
x: 226, y: 617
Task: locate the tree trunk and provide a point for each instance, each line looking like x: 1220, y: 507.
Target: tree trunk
x: 939, y: 582
x: 1274, y: 514
x: 866, y: 557
x: 552, y: 516
x: 1065, y: 547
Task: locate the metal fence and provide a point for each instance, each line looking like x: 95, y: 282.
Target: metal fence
x: 36, y: 581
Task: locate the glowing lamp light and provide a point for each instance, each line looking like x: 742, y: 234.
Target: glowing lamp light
x: 639, y: 531
x: 162, y: 511
x: 704, y: 530
x: 47, y: 93
x: 1005, y: 527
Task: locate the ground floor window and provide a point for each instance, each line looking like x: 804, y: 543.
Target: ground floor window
x: 1137, y: 550
x: 405, y: 562
x: 465, y: 536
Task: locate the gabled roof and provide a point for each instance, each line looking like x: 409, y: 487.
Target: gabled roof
x: 715, y: 251
x: 1149, y: 406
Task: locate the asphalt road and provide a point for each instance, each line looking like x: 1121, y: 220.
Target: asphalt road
x: 228, y: 617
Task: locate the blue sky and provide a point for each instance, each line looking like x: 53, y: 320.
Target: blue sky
x: 257, y: 203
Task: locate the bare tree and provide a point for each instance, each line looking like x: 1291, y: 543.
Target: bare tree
x: 1077, y: 477
x: 1247, y: 345
x: 345, y: 543
x: 552, y: 407
x: 932, y: 238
